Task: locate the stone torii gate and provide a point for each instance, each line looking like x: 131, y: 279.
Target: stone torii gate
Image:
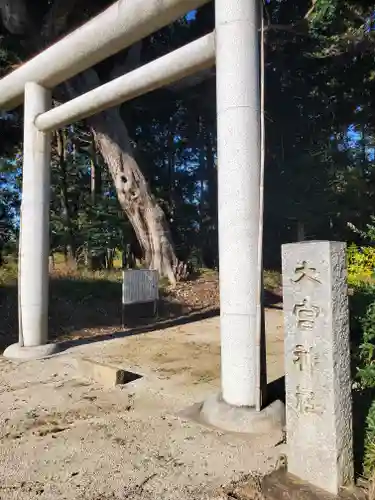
x: 234, y: 46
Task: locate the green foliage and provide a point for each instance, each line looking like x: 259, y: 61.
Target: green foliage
x: 85, y: 214
x: 9, y: 206
x: 324, y: 12
x: 312, y: 175
x: 369, y: 458
x: 319, y: 79
x: 362, y: 319
x: 366, y: 369
x: 362, y: 326
x: 368, y: 234
x: 361, y: 263
x: 8, y: 273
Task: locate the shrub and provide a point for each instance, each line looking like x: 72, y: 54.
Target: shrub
x: 369, y: 458
x: 366, y: 348
x: 361, y: 264
x: 362, y: 328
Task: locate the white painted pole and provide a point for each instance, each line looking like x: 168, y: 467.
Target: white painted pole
x: 118, y: 27
x: 239, y: 148
x: 176, y: 65
x: 34, y: 248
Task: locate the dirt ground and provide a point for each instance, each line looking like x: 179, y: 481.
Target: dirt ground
x: 86, y: 306
x: 65, y: 437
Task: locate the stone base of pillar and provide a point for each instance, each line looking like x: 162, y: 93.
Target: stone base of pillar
x: 245, y: 420
x: 17, y: 352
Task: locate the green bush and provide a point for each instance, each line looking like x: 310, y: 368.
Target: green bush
x: 362, y: 329
x: 366, y: 369
x: 361, y: 264
x: 369, y: 458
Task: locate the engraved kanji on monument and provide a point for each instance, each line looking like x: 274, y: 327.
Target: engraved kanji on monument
x: 317, y: 364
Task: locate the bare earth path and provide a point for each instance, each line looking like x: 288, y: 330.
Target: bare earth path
x: 64, y: 437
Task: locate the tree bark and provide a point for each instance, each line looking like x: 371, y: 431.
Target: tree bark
x: 111, y: 137
x: 210, y: 253
x: 143, y: 211
x: 95, y: 260
x: 65, y: 205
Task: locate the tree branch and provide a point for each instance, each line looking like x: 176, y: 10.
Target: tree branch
x: 356, y: 15
x: 353, y: 41
x: 311, y: 10
x: 132, y: 61
x: 288, y: 28
x: 349, y: 43
x: 57, y: 18
x: 293, y: 27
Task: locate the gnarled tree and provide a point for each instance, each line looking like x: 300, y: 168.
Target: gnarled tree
x: 145, y: 214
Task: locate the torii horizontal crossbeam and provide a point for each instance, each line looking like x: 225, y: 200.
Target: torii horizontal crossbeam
x: 176, y: 65
x: 118, y: 27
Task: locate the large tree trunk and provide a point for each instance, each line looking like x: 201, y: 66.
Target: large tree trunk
x: 111, y: 136
x: 140, y: 206
x: 144, y: 213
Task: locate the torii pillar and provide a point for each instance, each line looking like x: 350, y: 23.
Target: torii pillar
x: 34, y: 234
x: 238, y: 406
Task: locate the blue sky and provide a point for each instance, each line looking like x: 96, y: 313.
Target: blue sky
x: 191, y: 15
x: 354, y: 140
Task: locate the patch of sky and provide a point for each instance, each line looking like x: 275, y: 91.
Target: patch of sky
x: 191, y: 15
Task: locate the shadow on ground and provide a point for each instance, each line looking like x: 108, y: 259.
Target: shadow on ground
x: 83, y: 308
x: 272, y: 300
x: 159, y: 324
x: 275, y: 391
x: 77, y: 307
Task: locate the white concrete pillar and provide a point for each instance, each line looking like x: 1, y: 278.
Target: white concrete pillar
x: 34, y: 232
x: 239, y: 160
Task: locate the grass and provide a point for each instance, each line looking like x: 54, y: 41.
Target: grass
x: 272, y: 280
x: 8, y: 272
x: 88, y: 303
x: 80, y: 301
x: 75, y: 281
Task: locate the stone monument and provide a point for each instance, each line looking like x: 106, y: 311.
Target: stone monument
x: 140, y: 294
x: 317, y: 364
